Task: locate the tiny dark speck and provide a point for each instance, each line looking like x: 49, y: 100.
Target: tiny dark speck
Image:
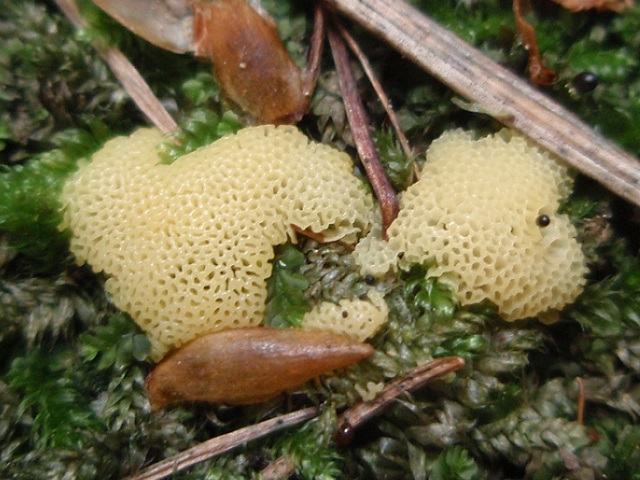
x: 543, y: 221
x: 344, y: 434
x: 585, y: 82
x: 345, y: 314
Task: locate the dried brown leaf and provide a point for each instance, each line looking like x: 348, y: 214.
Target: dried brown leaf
x: 599, y: 5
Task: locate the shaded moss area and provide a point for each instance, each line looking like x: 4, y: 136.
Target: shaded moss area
x: 73, y: 368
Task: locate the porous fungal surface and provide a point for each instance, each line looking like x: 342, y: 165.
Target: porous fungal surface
x: 186, y: 247
x: 485, y: 214
x: 356, y: 318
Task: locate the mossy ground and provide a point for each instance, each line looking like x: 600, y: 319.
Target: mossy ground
x: 72, y: 368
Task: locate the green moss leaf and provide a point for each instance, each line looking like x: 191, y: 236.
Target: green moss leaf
x: 287, y: 303
x: 115, y: 345
x: 201, y: 90
x: 202, y: 127
x: 311, y: 448
x: 624, y: 456
x: 454, y: 464
x: 428, y: 296
x: 610, y: 65
x: 30, y: 208
x: 399, y: 168
x: 52, y: 401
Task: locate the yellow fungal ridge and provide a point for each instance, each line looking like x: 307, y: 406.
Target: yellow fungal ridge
x: 474, y: 214
x: 357, y: 319
x: 187, y: 247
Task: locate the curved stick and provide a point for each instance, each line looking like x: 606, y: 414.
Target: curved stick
x: 412, y: 380
x: 222, y: 444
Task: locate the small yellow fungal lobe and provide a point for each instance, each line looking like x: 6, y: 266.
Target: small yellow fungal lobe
x: 372, y: 254
x: 478, y: 213
x: 187, y: 246
x: 370, y: 391
x: 357, y: 319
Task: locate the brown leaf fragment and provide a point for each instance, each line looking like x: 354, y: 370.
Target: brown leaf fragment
x: 251, y: 63
x: 167, y: 24
x: 248, y: 365
x: 538, y: 73
x: 599, y: 5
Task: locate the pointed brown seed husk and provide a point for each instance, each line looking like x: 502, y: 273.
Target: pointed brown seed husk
x: 248, y: 365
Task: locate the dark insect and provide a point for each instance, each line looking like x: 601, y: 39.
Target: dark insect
x: 543, y: 221
x: 344, y: 434
x: 585, y: 82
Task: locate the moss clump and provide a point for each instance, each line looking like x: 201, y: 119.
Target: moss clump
x: 72, y: 368
x: 30, y: 208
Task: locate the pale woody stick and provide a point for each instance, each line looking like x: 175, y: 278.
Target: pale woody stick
x: 495, y: 89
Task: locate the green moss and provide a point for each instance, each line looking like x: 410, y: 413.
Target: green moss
x: 312, y: 450
x: 201, y: 127
x: 454, y: 463
x: 53, y: 403
x: 51, y: 79
x: 73, y: 369
x: 399, y: 168
x: 30, y: 208
x: 286, y: 304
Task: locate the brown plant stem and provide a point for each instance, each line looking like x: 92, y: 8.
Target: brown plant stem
x: 581, y: 400
x: 511, y: 100
x: 359, y: 124
x: 412, y: 380
x: 375, y: 83
x: 316, y: 47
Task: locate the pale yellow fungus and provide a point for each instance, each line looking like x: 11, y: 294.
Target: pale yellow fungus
x: 357, y: 319
x: 485, y: 214
x: 186, y: 247
x: 369, y: 391
x: 373, y: 254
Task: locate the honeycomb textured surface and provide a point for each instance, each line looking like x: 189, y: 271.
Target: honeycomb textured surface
x: 186, y: 247
x: 357, y: 319
x: 485, y: 214
x: 372, y: 254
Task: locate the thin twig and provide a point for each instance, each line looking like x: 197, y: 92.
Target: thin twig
x: 281, y: 468
x: 316, y: 48
x: 581, y: 400
x: 375, y: 83
x: 512, y: 100
x: 412, y: 380
x: 222, y: 444
x: 126, y: 73
x: 359, y: 124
